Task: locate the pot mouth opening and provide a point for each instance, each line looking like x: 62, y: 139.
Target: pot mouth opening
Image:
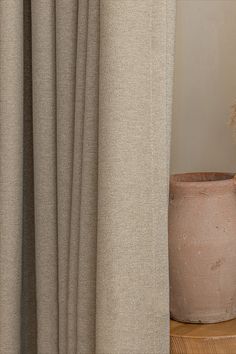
x: 200, y: 178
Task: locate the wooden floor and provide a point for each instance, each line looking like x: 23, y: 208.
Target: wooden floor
x: 217, y: 338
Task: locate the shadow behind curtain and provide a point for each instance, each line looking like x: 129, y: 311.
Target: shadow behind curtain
x: 84, y: 152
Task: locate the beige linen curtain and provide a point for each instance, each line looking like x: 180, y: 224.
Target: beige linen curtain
x: 85, y: 102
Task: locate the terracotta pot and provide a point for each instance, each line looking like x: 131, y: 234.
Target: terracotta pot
x: 202, y: 247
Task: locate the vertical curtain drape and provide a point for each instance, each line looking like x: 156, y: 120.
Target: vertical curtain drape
x: 85, y: 109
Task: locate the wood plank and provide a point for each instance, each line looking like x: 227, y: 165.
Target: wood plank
x: 219, y: 338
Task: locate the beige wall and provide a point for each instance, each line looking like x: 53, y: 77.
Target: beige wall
x: 205, y: 86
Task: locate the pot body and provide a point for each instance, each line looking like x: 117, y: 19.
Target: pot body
x: 202, y: 247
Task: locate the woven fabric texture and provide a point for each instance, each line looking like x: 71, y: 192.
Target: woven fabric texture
x: 85, y: 110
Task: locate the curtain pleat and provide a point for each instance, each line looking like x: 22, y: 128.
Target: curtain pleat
x: 28, y: 296
x: 11, y: 171
x: 80, y: 89
x: 132, y: 266
x: 85, y: 109
x: 45, y: 172
x: 66, y: 54
x: 86, y: 293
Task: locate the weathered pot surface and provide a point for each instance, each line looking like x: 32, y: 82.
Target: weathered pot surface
x: 202, y: 247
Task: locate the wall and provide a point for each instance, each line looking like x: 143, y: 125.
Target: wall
x: 205, y: 86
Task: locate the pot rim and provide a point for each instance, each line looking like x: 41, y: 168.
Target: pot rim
x: 203, y: 179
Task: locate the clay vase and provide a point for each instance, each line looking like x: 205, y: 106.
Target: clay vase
x: 202, y: 247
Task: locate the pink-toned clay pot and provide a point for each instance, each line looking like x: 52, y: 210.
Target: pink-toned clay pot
x: 202, y: 247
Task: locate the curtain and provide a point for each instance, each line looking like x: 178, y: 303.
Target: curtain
x: 85, y: 108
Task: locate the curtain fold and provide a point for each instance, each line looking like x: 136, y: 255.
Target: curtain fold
x: 11, y: 171
x: 28, y: 295
x: 66, y: 44
x: 134, y: 126
x: 45, y: 176
x: 85, y: 111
